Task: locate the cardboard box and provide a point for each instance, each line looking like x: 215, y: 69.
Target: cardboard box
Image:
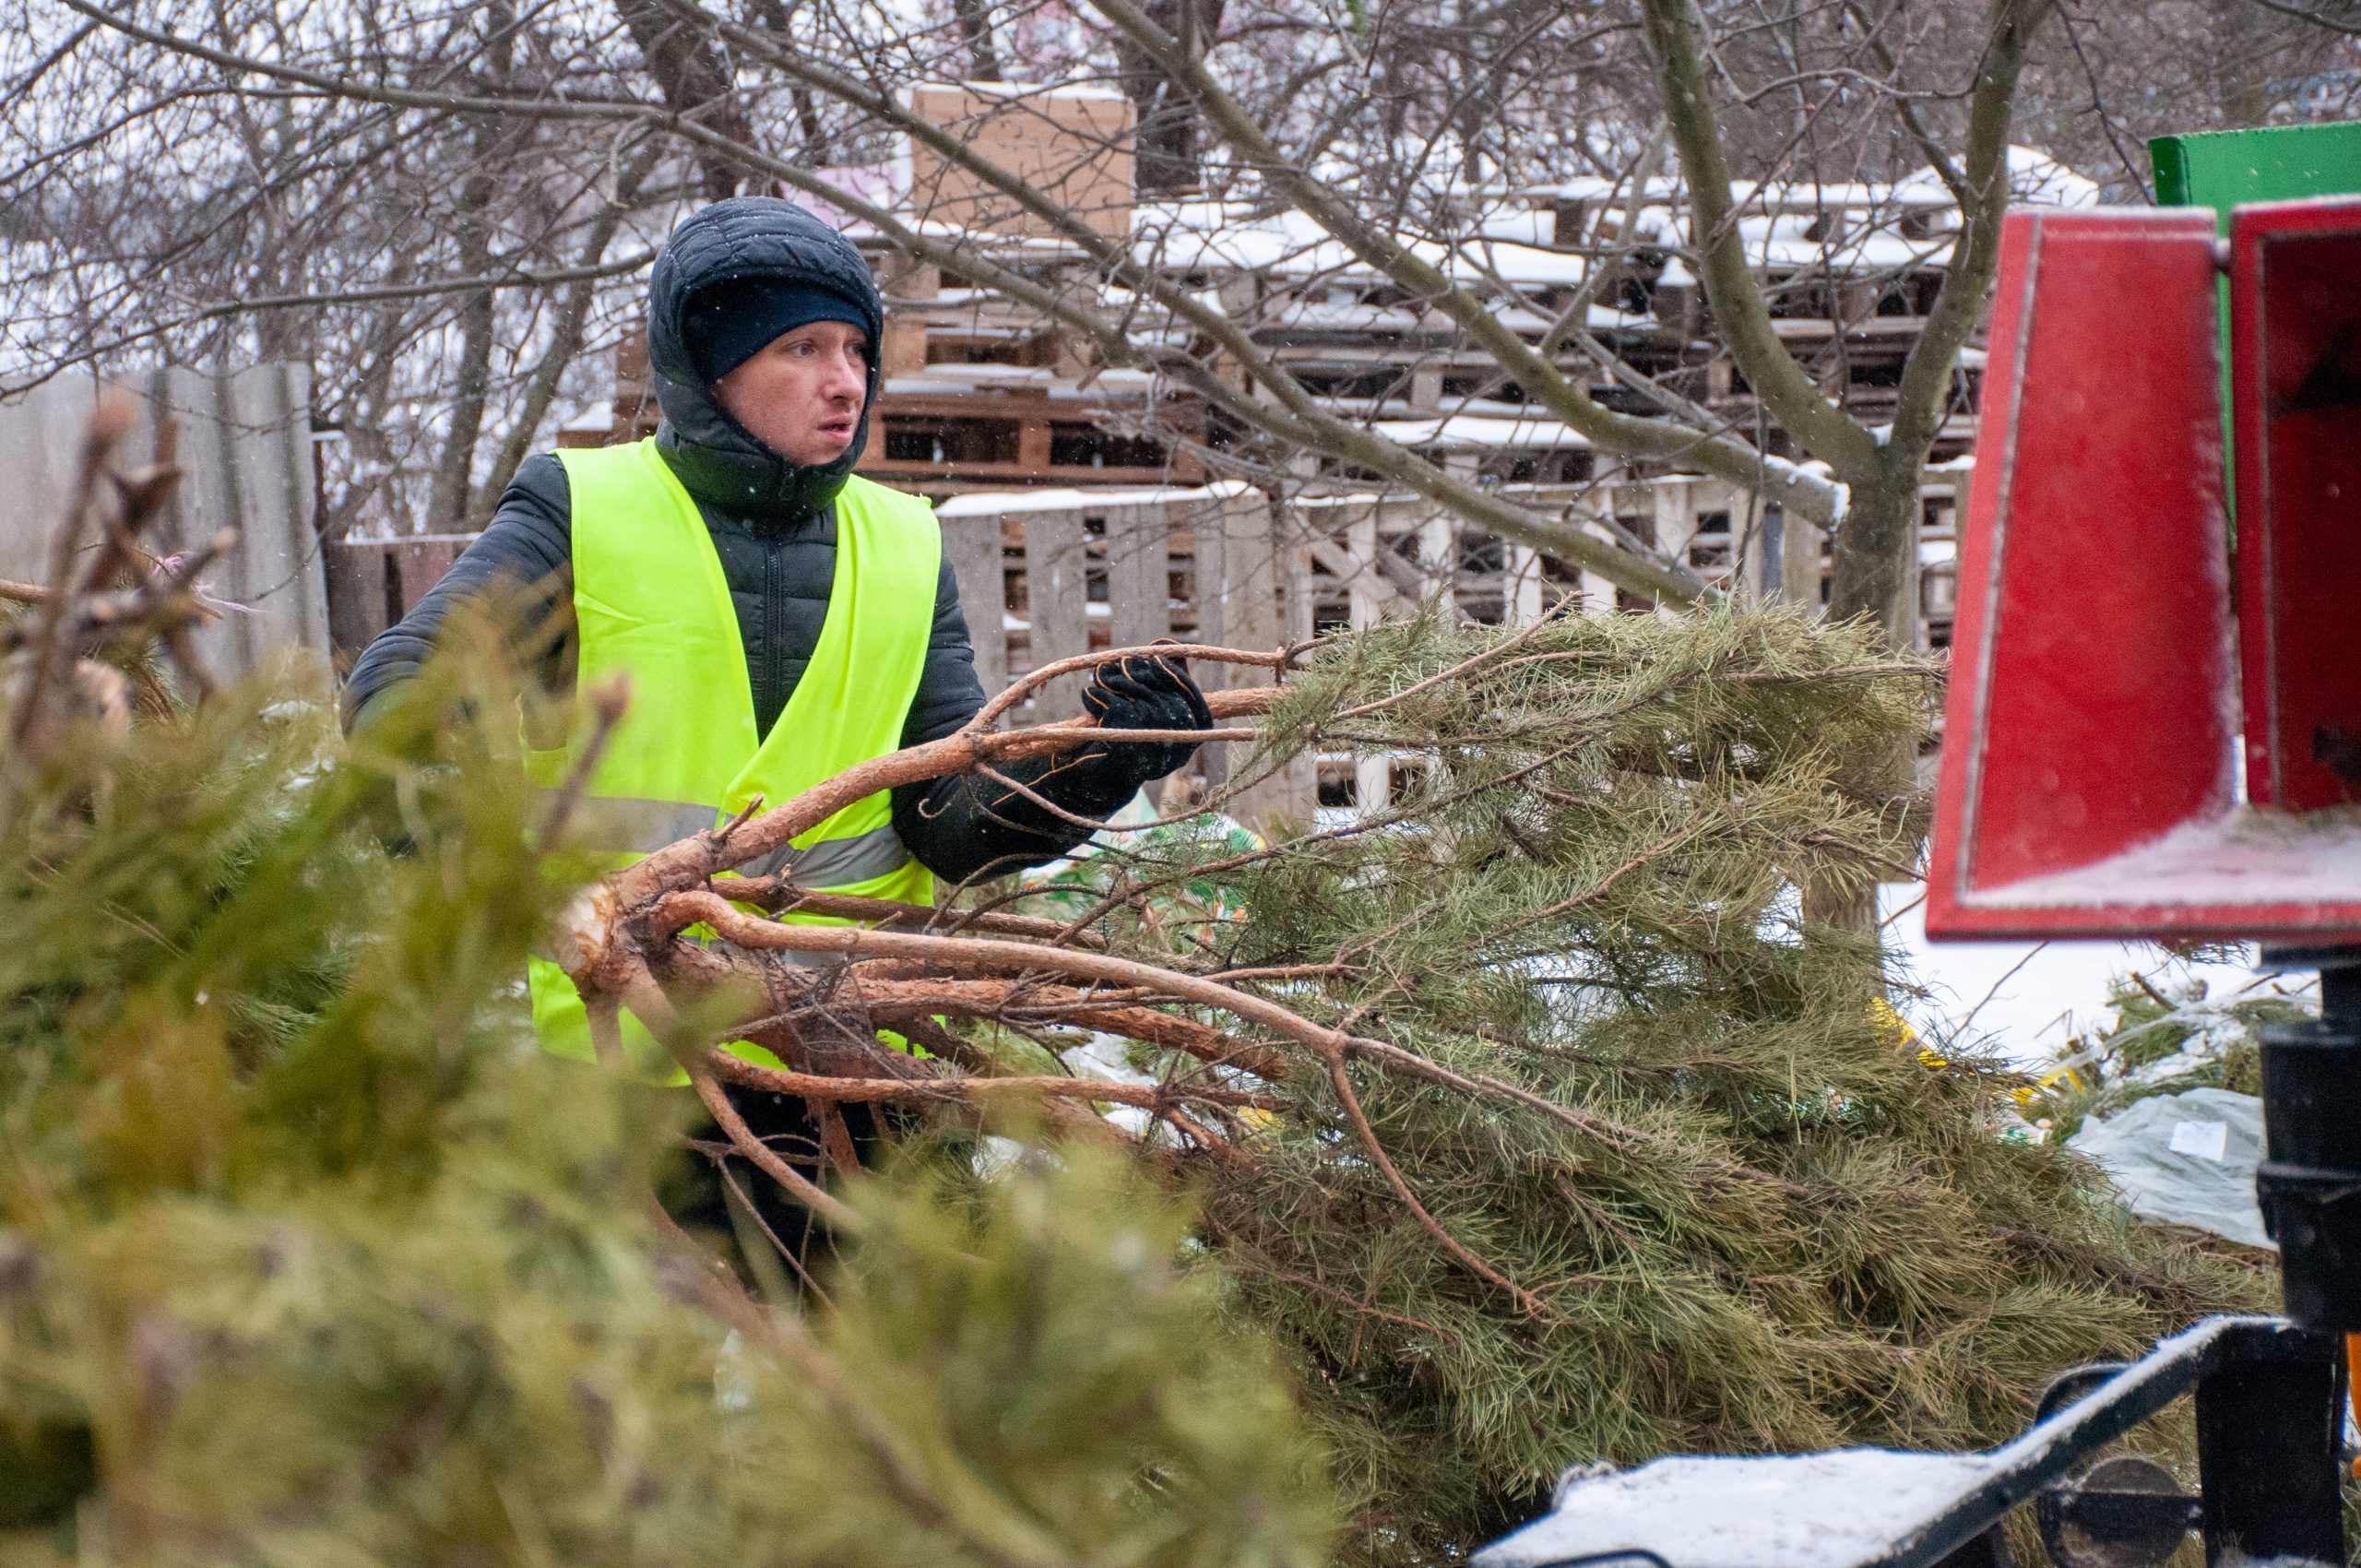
x: 1073, y: 144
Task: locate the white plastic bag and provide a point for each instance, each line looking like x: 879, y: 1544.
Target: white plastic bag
x: 2184, y: 1159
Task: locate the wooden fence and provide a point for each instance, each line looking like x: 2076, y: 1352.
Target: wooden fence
x: 373, y: 583
x: 1047, y: 574
x: 246, y: 461
x: 1043, y: 573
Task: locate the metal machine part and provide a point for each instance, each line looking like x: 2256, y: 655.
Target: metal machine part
x: 2111, y: 1511
x: 2096, y: 644
x: 2311, y: 1179
x: 2269, y: 1417
x: 2121, y: 1513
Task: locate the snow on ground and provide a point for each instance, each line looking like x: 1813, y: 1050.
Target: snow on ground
x: 2022, y: 1000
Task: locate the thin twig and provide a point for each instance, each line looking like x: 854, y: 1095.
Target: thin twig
x: 680, y: 910
x: 828, y: 1090
x: 778, y: 897
x: 1368, y: 1135
x: 640, y: 992
x: 764, y: 1158
x: 109, y: 424
x: 746, y: 1202
x: 693, y: 860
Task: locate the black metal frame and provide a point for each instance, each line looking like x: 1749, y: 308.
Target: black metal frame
x: 2270, y: 1392
x: 2269, y: 1429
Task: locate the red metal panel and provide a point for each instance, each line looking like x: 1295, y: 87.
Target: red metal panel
x: 2090, y: 661
x: 2086, y: 779
x: 2295, y: 392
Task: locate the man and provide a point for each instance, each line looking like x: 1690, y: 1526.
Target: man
x: 780, y: 619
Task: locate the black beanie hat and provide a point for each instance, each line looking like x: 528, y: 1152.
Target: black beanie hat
x: 729, y: 323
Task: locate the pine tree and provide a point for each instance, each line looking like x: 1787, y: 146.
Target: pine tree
x: 307, y: 1254
x: 1515, y: 1124
x: 1527, y: 1113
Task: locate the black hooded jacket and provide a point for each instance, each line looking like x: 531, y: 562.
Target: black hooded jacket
x: 773, y: 526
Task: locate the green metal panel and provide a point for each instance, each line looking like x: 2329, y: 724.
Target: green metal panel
x: 2226, y: 169
x: 2222, y: 169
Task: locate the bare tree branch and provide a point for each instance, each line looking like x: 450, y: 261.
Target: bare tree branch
x: 2307, y: 14
x: 566, y: 339
x: 1927, y: 374
x: 432, y: 289
x: 1306, y: 423
x: 1625, y: 433
x: 1937, y: 155
x: 1785, y: 386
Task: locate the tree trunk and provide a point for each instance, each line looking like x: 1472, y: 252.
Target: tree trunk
x: 494, y: 143
x: 447, y: 501
x: 565, y: 338
x: 1875, y: 577
x: 1875, y: 554
x: 976, y: 32
x: 772, y: 16
x: 690, y: 72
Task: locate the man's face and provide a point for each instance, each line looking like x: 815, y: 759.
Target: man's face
x: 801, y: 394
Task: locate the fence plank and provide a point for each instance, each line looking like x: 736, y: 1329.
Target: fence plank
x: 258, y: 480
x: 417, y: 563
x: 1439, y: 559
x: 1251, y: 576
x: 41, y: 442
x: 1800, y: 547
x: 1257, y: 591
x: 1057, y: 602
x: 1138, y: 575
x: 1368, y: 593
x: 358, y: 606
x: 972, y: 546
x: 1524, y: 593
x: 272, y: 467
x: 1208, y: 555
x: 245, y: 456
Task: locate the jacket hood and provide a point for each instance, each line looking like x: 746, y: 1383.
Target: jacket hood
x: 719, y: 460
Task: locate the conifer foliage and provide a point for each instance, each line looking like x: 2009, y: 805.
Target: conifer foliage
x: 1510, y: 1125
x: 1528, y: 1116
x: 307, y: 1256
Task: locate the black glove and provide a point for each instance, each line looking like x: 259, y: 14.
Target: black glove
x: 967, y: 824
x: 1147, y: 692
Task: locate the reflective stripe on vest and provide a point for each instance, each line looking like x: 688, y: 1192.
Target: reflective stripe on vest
x: 651, y: 602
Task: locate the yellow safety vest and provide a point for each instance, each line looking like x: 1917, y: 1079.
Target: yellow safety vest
x: 650, y: 600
